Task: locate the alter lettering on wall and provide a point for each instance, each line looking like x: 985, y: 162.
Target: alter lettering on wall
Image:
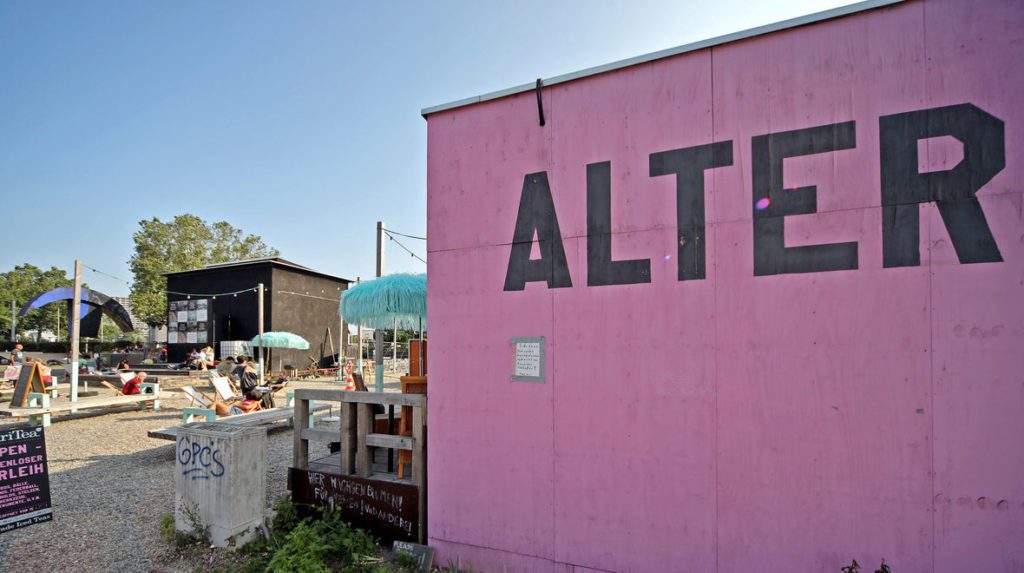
x: 903, y: 188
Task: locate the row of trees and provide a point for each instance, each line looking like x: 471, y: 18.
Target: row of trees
x: 183, y: 243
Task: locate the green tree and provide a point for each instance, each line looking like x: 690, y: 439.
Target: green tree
x: 184, y: 243
x: 22, y: 285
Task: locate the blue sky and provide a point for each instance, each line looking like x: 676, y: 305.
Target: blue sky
x: 296, y: 121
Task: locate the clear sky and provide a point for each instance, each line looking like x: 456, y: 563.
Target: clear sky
x: 296, y: 121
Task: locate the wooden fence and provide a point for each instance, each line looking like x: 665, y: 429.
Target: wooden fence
x: 359, y: 440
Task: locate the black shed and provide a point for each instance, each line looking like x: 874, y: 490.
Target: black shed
x: 219, y: 302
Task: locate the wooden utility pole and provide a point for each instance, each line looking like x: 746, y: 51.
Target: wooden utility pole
x: 13, y: 322
x: 378, y: 333
x: 74, y: 327
x: 260, y: 338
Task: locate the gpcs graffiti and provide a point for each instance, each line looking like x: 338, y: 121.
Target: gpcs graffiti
x: 199, y: 461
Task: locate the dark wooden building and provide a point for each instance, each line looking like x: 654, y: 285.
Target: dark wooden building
x: 219, y: 303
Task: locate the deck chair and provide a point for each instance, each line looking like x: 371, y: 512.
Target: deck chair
x: 225, y: 390
x: 227, y: 394
x: 197, y: 397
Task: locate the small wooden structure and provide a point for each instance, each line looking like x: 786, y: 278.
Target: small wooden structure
x: 351, y: 480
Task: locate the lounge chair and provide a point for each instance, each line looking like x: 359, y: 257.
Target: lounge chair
x: 227, y: 394
x: 197, y: 397
x: 225, y: 391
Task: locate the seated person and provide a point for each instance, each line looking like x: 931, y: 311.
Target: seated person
x: 123, y: 366
x: 132, y: 386
x: 248, y: 381
x: 226, y: 366
x: 204, y: 359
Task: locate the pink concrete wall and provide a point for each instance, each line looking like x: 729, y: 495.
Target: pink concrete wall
x: 736, y: 423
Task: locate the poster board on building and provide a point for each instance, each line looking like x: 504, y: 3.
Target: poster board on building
x: 188, y: 321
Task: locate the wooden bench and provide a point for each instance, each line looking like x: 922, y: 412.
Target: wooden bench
x: 39, y: 407
x: 261, y: 418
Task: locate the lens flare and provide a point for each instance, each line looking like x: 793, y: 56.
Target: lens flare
x: 762, y: 204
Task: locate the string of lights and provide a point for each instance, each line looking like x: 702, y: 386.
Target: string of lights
x: 404, y: 235
x: 307, y: 295
x: 166, y: 291
x: 399, y: 243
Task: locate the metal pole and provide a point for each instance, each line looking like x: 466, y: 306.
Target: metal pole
x: 378, y: 334
x: 75, y: 328
x: 359, y: 335
x: 13, y: 322
x: 342, y: 341
x: 394, y: 347
x: 260, y: 338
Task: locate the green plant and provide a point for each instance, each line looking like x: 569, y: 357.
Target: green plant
x: 303, y: 552
x: 407, y: 562
x: 285, y: 518
x: 169, y: 531
x: 200, y: 532
x: 323, y: 541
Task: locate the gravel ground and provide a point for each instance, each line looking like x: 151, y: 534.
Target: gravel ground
x: 110, y: 486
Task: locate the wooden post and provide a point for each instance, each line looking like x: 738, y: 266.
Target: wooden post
x: 75, y: 330
x: 348, y: 438
x: 419, y: 464
x: 364, y: 453
x: 260, y: 337
x: 419, y: 349
x: 301, y: 447
x: 378, y: 333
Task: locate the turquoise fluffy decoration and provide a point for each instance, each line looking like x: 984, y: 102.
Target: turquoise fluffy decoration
x: 281, y: 340
x: 377, y: 303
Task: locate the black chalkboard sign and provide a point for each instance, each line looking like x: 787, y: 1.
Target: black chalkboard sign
x: 30, y: 380
x: 389, y: 510
x: 24, y: 477
x: 424, y: 555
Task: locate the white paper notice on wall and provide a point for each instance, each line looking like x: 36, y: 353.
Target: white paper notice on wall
x: 528, y: 354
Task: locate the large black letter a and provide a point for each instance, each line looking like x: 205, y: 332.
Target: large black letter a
x: 537, y: 217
